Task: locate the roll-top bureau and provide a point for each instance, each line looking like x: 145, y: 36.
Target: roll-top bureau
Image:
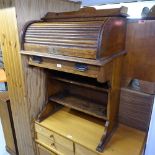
x: 81, y: 53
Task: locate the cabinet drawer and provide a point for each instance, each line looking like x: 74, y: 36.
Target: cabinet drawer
x: 41, y: 138
x: 43, y: 151
x: 66, y: 66
x: 80, y: 150
x: 63, y: 149
x: 55, y: 146
x: 63, y: 141
x: 45, y: 132
x: 41, y: 131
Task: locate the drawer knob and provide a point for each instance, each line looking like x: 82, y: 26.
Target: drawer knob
x: 51, y: 136
x: 52, y: 145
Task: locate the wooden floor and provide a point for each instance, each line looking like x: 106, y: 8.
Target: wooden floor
x: 2, y: 142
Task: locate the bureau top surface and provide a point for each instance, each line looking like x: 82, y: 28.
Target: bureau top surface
x: 87, y: 131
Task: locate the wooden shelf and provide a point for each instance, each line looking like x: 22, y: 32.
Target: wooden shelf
x: 81, y: 84
x: 81, y: 104
x: 87, y: 131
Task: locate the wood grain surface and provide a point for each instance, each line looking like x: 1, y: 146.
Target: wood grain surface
x: 24, y: 108
x: 118, y: 145
x: 139, y: 62
x: 135, y: 108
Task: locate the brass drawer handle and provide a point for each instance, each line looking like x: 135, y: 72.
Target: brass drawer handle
x: 81, y: 67
x: 37, y: 59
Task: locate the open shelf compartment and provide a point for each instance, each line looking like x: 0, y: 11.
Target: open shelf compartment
x: 82, y: 94
x: 79, y: 103
x: 82, y: 81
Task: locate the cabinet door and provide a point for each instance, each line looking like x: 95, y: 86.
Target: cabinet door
x: 44, y: 151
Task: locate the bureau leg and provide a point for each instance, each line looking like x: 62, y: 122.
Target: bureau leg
x: 105, y: 138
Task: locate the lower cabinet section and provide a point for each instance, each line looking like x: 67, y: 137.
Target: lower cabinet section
x: 46, y: 149
x: 64, y: 146
x: 58, y: 145
x: 65, y: 133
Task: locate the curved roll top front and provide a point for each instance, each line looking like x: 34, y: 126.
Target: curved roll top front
x: 84, y: 34
x: 77, y: 39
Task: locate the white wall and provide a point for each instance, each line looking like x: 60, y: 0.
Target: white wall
x: 134, y: 9
x: 150, y: 145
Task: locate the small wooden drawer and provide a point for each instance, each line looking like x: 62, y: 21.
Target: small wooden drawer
x: 44, y: 151
x: 80, y: 150
x: 64, y: 142
x: 45, y: 132
x: 41, y: 131
x: 45, y: 140
x: 62, y: 147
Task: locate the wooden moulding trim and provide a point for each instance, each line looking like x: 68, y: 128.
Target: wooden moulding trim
x: 137, y: 92
x: 87, y: 13
x: 145, y: 87
x: 100, y: 62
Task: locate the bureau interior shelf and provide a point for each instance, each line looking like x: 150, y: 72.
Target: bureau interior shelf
x: 81, y: 104
x: 80, y: 81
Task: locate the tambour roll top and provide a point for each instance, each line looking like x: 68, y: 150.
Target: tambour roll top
x: 87, y: 33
